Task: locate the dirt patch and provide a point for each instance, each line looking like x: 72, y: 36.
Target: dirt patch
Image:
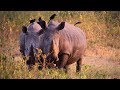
x: 99, y: 62
x: 101, y: 59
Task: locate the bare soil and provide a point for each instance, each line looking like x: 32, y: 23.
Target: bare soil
x: 100, y: 62
x: 105, y: 59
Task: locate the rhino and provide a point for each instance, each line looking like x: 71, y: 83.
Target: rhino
x: 64, y: 44
x: 29, y: 41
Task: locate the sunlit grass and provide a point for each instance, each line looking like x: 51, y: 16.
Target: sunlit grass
x: 18, y: 70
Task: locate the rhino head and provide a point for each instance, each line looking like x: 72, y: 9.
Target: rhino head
x: 51, y: 40
x: 30, y: 39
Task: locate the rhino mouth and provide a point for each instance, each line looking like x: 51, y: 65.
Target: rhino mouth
x: 31, y: 57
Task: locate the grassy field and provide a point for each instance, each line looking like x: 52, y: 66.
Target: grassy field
x: 101, y: 59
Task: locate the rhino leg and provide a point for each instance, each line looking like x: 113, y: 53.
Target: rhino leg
x: 78, y: 66
x: 66, y: 68
x: 30, y: 63
x: 62, y: 61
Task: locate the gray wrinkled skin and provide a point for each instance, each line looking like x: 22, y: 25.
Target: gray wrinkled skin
x: 30, y: 39
x: 22, y: 43
x: 70, y: 40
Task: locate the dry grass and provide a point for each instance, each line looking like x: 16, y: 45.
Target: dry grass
x: 101, y: 60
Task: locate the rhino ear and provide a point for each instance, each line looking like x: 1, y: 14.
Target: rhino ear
x: 24, y: 29
x: 33, y: 20
x: 52, y: 17
x: 43, y: 24
x: 39, y: 19
x: 61, y: 26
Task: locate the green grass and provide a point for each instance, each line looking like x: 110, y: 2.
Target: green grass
x: 18, y: 70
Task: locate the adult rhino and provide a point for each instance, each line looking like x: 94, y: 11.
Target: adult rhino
x: 30, y: 40
x: 64, y: 42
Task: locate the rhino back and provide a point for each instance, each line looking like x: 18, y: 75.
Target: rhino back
x: 72, y: 39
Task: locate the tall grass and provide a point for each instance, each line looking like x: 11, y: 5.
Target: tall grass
x: 102, y: 29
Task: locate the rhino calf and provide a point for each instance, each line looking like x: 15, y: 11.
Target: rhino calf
x: 29, y: 41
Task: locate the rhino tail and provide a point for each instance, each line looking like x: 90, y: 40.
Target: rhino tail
x: 77, y: 23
